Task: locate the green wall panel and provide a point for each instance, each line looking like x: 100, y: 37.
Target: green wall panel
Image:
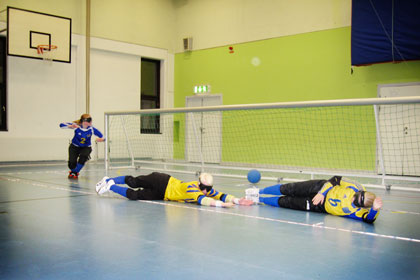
x: 312, y: 66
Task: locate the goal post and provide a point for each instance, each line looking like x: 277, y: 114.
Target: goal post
x: 376, y: 139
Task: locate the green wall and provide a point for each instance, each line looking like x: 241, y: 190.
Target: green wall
x: 312, y: 66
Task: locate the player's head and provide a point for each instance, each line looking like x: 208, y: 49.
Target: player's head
x: 205, y: 182
x: 85, y: 120
x: 364, y: 199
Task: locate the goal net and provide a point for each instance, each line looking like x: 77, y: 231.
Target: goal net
x: 377, y: 139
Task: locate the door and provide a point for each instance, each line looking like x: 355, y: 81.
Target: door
x: 400, y: 131
x: 203, y: 131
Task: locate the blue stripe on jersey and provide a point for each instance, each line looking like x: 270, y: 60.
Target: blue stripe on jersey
x: 346, y: 210
x: 200, y: 198
x: 353, y: 188
x: 223, y: 197
x: 193, y: 191
x: 327, y: 190
x: 353, y: 216
x: 212, y: 193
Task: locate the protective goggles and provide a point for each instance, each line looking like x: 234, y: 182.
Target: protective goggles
x: 204, y: 187
x: 86, y: 120
x: 359, y: 199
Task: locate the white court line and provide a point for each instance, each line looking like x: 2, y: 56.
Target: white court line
x: 64, y: 171
x: 318, y: 225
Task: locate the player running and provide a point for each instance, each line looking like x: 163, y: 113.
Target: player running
x: 80, y: 147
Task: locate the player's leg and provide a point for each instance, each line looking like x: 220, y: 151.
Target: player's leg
x: 139, y: 194
x: 84, y: 156
x: 300, y: 203
x: 151, y: 186
x: 155, y: 180
x: 72, y: 162
x: 302, y: 189
x: 275, y: 190
x: 296, y: 203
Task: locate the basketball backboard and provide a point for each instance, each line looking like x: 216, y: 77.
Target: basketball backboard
x: 26, y: 30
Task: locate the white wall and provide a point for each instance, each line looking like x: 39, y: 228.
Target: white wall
x: 40, y: 96
x: 215, y: 23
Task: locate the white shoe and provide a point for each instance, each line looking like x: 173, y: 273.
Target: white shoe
x: 253, y: 194
x: 101, y: 183
x: 105, y: 187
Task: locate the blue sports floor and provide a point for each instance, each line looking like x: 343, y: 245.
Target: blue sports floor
x: 55, y: 228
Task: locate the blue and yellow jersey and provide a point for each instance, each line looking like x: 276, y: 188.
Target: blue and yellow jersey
x: 189, y: 192
x: 82, y: 136
x: 339, y: 201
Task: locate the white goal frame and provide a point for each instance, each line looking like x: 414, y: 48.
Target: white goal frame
x: 196, y: 168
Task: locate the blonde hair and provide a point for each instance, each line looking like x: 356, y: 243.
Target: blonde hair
x: 84, y: 116
x: 369, y: 198
x: 206, y: 179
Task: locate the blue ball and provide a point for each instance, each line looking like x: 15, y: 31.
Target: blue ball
x: 254, y: 176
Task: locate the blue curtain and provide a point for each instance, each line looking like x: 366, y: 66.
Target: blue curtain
x: 385, y: 31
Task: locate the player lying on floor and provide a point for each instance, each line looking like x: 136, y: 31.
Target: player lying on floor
x: 337, y: 196
x: 160, y: 186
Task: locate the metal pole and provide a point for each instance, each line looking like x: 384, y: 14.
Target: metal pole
x: 106, y: 142
x: 87, y: 56
x: 379, y: 141
x: 130, y: 151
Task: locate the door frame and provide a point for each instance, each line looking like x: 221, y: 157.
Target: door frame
x: 192, y: 132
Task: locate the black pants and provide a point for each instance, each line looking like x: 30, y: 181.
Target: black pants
x: 78, y: 155
x: 152, y: 186
x: 299, y: 195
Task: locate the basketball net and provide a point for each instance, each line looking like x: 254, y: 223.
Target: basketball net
x: 46, y: 52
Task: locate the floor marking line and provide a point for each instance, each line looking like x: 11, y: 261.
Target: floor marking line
x: 229, y: 213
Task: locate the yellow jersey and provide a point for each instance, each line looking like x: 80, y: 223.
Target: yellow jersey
x: 189, y: 192
x: 339, y: 201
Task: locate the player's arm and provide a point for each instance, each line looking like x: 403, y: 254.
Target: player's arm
x: 320, y: 196
x: 368, y: 215
x: 207, y: 201
x: 365, y: 215
x: 325, y: 189
x: 99, y: 135
x: 68, y: 125
x: 229, y: 198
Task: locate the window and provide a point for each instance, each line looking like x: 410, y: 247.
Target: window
x: 3, y: 71
x: 150, y: 95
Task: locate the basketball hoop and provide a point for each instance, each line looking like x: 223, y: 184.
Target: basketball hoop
x: 46, y: 52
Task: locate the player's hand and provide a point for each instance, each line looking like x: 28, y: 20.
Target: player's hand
x: 73, y: 125
x: 377, y: 204
x: 245, y: 202
x: 227, y: 204
x: 100, y: 139
x: 319, y: 198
